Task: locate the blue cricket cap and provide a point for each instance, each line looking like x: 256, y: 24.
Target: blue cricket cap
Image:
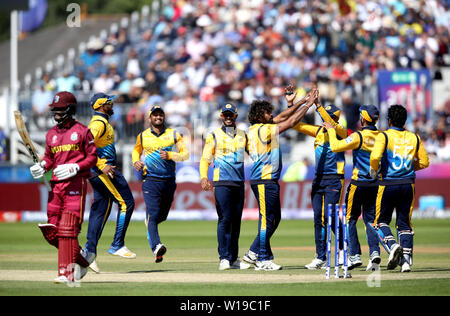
x: 370, y: 113
x: 229, y: 108
x: 332, y: 110
x: 100, y: 99
x: 155, y: 108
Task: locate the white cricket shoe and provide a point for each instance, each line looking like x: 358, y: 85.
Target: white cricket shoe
x: 316, y: 264
x: 406, y: 267
x: 159, y: 252
x: 94, y: 267
x: 372, y: 266
x: 250, y: 257
x: 394, y: 255
x: 406, y: 263
x: 354, y: 261
x: 267, y: 265
x: 374, y: 261
x: 123, y: 252
x: 62, y: 279
x: 224, y: 265
x: 238, y: 264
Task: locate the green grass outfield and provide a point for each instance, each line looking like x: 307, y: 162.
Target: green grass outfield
x: 190, y: 267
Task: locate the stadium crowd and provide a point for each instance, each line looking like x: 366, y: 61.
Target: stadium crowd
x: 202, y: 53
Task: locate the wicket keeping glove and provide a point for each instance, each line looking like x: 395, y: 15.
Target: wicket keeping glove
x: 37, y: 170
x: 63, y: 172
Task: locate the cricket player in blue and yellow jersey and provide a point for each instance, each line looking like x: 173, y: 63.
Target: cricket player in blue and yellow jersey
x: 362, y: 191
x: 265, y: 152
x: 225, y: 148
x: 108, y: 184
x: 161, y: 147
x: 397, y: 155
x: 328, y: 180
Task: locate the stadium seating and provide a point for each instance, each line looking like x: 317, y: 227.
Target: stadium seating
x: 191, y: 56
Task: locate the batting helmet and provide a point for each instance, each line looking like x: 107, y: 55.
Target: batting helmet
x: 62, y: 100
x: 63, y: 106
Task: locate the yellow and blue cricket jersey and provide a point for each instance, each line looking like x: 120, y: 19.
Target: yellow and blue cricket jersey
x: 264, y: 150
x: 361, y: 143
x: 103, y: 134
x: 398, y: 153
x: 326, y: 161
x: 151, y: 143
x: 226, y: 151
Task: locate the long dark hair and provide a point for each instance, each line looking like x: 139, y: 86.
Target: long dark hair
x: 257, y: 110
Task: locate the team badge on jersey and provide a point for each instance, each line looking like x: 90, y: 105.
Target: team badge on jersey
x: 54, y: 139
x: 74, y: 136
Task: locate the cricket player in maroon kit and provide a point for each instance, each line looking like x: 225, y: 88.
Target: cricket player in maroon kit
x: 70, y: 151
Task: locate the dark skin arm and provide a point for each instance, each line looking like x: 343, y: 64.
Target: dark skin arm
x: 297, y: 116
x: 292, y: 107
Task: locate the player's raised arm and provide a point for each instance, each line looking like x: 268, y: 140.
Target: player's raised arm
x: 324, y: 113
x: 293, y: 106
x: 295, y: 118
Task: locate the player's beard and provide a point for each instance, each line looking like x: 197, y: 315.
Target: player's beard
x: 110, y: 112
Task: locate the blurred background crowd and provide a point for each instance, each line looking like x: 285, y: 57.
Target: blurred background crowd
x: 200, y: 54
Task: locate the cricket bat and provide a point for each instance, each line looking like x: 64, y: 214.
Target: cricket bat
x: 23, y: 132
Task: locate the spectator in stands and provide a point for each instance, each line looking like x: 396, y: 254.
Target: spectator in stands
x: 67, y: 82
x: 109, y: 57
x: 125, y: 85
x: 432, y: 143
x: 48, y: 82
x: 103, y: 84
x: 195, y: 47
x: 443, y: 151
x: 90, y: 59
x: 177, y: 111
x: 83, y: 85
x: 196, y: 73
x: 229, y: 50
x: 175, y: 82
x: 40, y: 100
x: 133, y: 64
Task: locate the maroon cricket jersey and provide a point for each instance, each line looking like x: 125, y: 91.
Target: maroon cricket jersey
x: 72, y: 143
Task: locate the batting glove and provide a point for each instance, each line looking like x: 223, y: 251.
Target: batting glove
x: 66, y: 171
x: 37, y: 170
